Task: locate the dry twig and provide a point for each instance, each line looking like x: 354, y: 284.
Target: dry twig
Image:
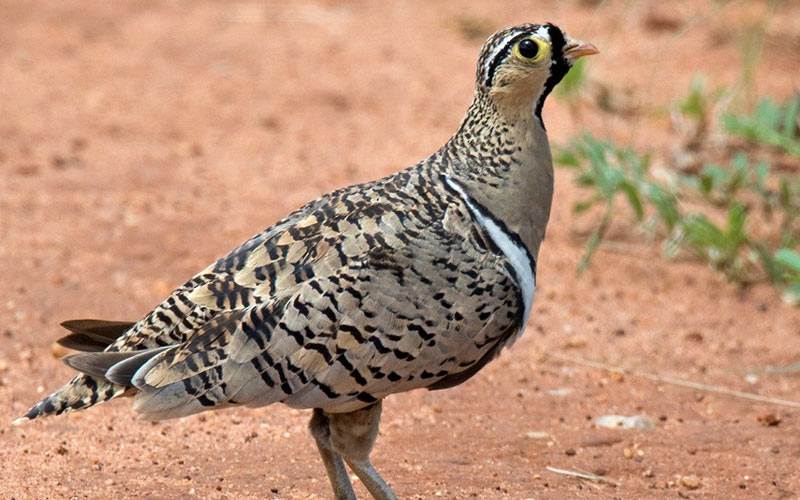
x: 676, y: 381
x: 582, y: 475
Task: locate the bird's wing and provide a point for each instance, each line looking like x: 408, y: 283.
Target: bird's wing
x: 174, y: 321
x: 351, y: 302
x: 335, y: 308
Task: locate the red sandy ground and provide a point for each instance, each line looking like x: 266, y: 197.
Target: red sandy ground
x: 141, y: 140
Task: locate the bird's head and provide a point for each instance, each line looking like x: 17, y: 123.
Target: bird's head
x: 520, y: 66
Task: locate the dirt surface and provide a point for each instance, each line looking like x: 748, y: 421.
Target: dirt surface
x: 141, y: 140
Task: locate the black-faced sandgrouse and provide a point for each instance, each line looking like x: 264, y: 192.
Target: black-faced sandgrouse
x: 415, y: 280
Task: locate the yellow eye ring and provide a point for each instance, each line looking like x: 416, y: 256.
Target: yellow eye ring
x: 531, y: 49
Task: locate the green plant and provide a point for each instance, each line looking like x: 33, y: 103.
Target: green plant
x: 789, y: 261
x: 610, y: 172
x: 722, y: 247
x: 721, y: 185
x: 692, y: 113
x: 574, y: 82
x: 772, y: 124
x: 732, y: 190
x: 697, y: 103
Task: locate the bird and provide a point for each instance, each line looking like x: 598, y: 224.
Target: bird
x: 416, y: 280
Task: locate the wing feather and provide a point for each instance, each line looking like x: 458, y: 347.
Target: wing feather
x: 342, y: 303
x: 92, y: 335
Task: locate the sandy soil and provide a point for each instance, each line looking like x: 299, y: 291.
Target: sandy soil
x: 141, y: 140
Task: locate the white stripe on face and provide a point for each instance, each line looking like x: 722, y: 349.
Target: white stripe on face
x: 542, y: 32
x: 500, y: 47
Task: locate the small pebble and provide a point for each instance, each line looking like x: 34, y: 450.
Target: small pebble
x: 58, y: 351
x: 570, y: 452
x: 694, y: 337
x: 537, y: 435
x: 576, y: 342
x: 622, y: 422
x: 691, y: 482
x: 769, y: 419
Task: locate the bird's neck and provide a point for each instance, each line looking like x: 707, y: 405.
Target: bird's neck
x: 502, y: 159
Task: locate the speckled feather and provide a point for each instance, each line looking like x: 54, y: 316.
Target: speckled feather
x: 370, y: 290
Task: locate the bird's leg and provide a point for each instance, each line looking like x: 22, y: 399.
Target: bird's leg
x: 352, y: 436
x: 334, y: 465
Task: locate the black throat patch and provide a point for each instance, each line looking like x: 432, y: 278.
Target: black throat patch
x: 559, y: 67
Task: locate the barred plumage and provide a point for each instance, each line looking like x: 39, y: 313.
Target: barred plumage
x: 415, y: 280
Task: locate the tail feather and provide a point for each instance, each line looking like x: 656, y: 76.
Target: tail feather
x: 124, y: 372
x: 89, y: 387
x: 82, y: 391
x: 92, y: 335
x: 105, y: 375
x: 97, y: 363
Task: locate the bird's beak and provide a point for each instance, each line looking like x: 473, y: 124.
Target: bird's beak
x: 579, y: 48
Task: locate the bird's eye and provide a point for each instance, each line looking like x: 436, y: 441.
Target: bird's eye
x: 528, y: 48
x: 531, y: 49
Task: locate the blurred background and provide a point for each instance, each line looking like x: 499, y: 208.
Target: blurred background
x: 141, y: 140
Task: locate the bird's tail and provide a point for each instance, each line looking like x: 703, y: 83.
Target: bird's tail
x: 81, y: 392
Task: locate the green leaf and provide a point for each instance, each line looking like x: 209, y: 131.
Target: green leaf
x: 634, y: 200
x: 788, y: 258
x: 712, y: 177
x: 761, y: 173
x: 665, y: 204
x: 697, y: 102
x: 566, y: 158
x: 790, y: 117
x: 768, y: 262
x: 771, y: 124
x: 574, y: 81
x: 584, y: 205
x: 737, y: 216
